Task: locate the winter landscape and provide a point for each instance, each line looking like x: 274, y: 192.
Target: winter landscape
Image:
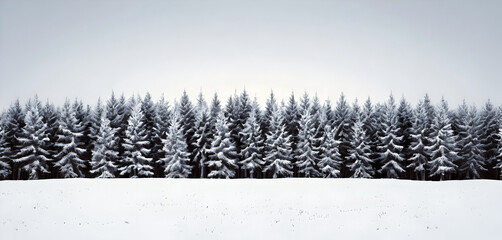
x: 266, y: 119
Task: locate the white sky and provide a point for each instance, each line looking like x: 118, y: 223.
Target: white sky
x: 86, y: 49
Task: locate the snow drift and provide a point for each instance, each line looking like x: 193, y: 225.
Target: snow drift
x: 249, y: 209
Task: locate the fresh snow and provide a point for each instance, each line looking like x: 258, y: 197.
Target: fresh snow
x: 249, y: 209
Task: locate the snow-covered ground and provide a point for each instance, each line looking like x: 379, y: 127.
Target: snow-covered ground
x: 249, y: 209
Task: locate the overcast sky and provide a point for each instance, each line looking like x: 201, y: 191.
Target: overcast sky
x: 88, y: 48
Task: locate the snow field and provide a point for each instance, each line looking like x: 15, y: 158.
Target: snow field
x: 249, y: 209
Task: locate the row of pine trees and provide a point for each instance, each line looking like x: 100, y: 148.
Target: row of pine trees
x: 136, y: 137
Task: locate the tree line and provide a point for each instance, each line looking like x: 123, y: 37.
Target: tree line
x: 137, y: 137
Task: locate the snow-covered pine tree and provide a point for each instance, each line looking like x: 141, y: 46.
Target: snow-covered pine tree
x: 498, y: 161
x: 270, y: 106
x: 68, y: 160
x: 161, y: 125
x: 5, y: 169
x: 420, y: 155
x: 255, y: 106
x: 278, y: 158
x: 360, y: 163
x: 430, y: 117
x: 104, y: 155
x: 215, y: 109
x: 148, y: 109
x: 329, y: 114
x: 319, y: 121
x: 369, y: 120
x: 315, y: 112
x: 291, y: 119
x: 343, y: 125
x: 92, y: 125
x: 136, y: 164
x: 489, y: 124
x: 223, y: 156
x: 201, y: 139
x: 78, y: 108
x: 13, y: 125
x: 243, y: 112
x: 430, y: 112
x: 371, y: 126
x: 304, y: 103
x: 404, y: 130
x: 33, y: 155
x: 307, y: 154
x: 177, y: 159
x: 95, y: 118
x: 50, y: 117
x: 187, y: 116
x: 331, y: 161
x: 87, y: 140
x: 232, y: 117
x: 390, y: 146
x: 116, y: 113
x: 443, y: 150
x: 252, y: 140
x: 470, y: 155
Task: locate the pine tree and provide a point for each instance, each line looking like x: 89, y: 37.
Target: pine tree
x: 371, y: 126
x: 470, y: 155
x: 148, y: 109
x: 68, y: 160
x: 430, y: 112
x: 489, y: 124
x: 291, y: 120
x: 443, y: 151
x: 5, y: 169
x: 343, y: 124
x: 319, y: 120
x: 252, y: 140
x: 232, y: 118
x: 430, y: 118
x: 201, y: 138
x: 96, y: 118
x: 243, y: 112
x: 328, y: 109
x: 161, y: 126
x: 50, y: 117
x: 136, y: 164
x: 215, y: 110
x: 498, y: 165
x: 223, y: 158
x: 278, y: 159
x: 78, y: 108
x: 390, y: 144
x: 87, y: 139
x: 304, y: 103
x: 187, y: 115
x: 33, y: 155
x: 307, y: 154
x: 360, y: 165
x: 270, y: 106
x: 176, y: 160
x: 331, y: 161
x: 104, y: 156
x: 315, y: 112
x: 404, y: 131
x: 420, y: 155
x: 13, y: 125
x: 116, y: 113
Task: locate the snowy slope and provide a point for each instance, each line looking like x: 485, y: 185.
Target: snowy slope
x: 249, y: 209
